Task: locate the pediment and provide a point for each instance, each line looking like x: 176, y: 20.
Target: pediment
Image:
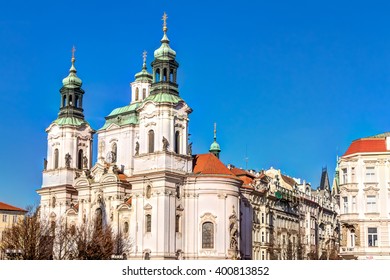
x: 112, y: 126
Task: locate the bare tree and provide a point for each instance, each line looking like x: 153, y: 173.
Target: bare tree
x: 95, y: 244
x: 30, y: 237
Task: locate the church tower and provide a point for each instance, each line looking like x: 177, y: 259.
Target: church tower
x: 214, y: 147
x: 163, y: 116
x: 69, y: 146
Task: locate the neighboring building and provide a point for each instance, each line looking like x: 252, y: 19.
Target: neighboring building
x: 364, y: 180
x: 284, y: 219
x: 9, y: 215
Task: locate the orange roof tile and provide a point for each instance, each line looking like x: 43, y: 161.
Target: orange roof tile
x: 244, y: 175
x: 367, y: 145
x: 7, y: 207
x: 210, y: 164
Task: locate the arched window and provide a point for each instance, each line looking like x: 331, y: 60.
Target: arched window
x: 53, y: 201
x: 157, y: 76
x: 177, y: 223
x: 151, y: 141
x: 56, y: 157
x: 177, y: 142
x: 80, y: 159
x: 64, y: 101
x: 98, y: 219
x: 148, y: 223
x: 144, y: 93
x: 136, y: 94
x: 352, y: 238
x: 126, y: 228
x: 70, y: 100
x: 207, y: 235
x: 76, y: 102
x: 165, y: 75
x: 171, y: 75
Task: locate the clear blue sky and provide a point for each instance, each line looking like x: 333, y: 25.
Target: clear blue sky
x: 290, y: 83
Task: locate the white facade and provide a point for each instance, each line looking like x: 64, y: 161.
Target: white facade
x: 143, y: 183
x: 364, y: 179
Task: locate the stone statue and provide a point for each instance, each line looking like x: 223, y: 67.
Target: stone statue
x: 189, y: 150
x: 44, y: 164
x: 136, y: 148
x: 165, y: 144
x: 68, y: 157
x: 113, y: 156
x: 85, y: 162
x: 233, y: 230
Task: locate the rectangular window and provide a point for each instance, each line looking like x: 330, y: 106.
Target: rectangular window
x: 372, y: 237
x: 148, y: 223
x: 345, y: 202
x: 345, y: 176
x: 353, y: 179
x: 371, y: 203
x: 15, y: 219
x: 262, y: 218
x: 370, y: 174
x: 354, y: 210
x: 4, y: 218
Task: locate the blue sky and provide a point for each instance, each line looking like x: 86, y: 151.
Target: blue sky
x: 289, y: 83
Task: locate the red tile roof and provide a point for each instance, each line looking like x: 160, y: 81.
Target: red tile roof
x: 209, y: 164
x: 7, y: 207
x: 244, y: 175
x: 367, y: 145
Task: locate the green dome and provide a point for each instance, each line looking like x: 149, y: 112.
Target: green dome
x: 164, y: 52
x: 214, y: 147
x: 72, y: 81
x: 144, y: 76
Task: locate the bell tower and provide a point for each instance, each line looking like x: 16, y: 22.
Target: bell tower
x: 163, y: 116
x: 69, y: 145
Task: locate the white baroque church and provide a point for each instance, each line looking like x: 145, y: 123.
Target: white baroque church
x: 146, y: 182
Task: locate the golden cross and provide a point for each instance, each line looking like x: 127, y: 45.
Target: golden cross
x: 73, y: 51
x: 164, y: 18
x: 144, y: 54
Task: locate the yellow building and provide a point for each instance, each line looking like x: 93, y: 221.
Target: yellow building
x: 8, y: 216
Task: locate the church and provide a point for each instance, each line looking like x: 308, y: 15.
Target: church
x: 146, y: 183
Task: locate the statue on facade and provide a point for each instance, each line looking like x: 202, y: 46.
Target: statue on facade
x: 233, y: 230
x: 85, y: 162
x: 44, y: 164
x: 189, y: 150
x: 136, y: 148
x: 68, y: 157
x: 165, y: 144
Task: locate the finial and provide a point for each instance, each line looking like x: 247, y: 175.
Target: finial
x: 73, y: 51
x: 215, y: 131
x: 164, y: 18
x: 144, y: 55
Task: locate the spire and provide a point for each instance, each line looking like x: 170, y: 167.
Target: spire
x: 144, y: 75
x: 214, y: 147
x: 71, y: 93
x: 165, y: 29
x: 72, y: 81
x: 164, y: 52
